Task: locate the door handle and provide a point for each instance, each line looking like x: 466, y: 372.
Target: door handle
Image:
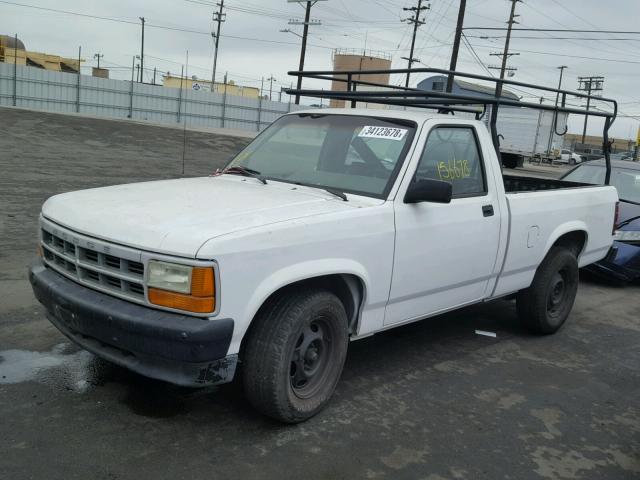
x: 487, y: 210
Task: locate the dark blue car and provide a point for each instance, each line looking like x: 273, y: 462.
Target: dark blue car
x: 622, y: 263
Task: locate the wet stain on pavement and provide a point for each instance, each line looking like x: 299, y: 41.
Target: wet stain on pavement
x: 63, y: 367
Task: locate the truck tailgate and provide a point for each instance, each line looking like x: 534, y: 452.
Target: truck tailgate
x: 538, y: 219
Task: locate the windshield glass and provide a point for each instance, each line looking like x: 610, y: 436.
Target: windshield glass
x: 354, y: 154
x: 626, y: 180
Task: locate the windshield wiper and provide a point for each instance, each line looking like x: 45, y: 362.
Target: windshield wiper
x: 247, y: 172
x: 332, y: 191
x: 337, y: 193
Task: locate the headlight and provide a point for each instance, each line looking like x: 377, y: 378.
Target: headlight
x: 627, y: 236
x: 170, y: 276
x: 181, y: 287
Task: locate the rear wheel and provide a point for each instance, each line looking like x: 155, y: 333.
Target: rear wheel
x: 295, y: 355
x: 546, y: 304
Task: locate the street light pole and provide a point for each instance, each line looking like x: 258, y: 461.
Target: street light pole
x: 141, y: 79
x: 271, y: 79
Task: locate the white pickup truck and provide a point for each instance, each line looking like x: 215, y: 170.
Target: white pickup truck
x: 330, y: 226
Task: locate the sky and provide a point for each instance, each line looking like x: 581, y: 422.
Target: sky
x: 253, y: 47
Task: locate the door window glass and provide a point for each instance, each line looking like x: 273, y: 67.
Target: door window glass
x: 452, y: 155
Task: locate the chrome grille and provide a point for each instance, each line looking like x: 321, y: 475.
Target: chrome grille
x: 86, y: 264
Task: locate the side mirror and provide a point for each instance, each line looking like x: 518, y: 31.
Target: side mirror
x: 435, y: 191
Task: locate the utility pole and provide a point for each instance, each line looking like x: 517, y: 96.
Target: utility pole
x: 415, y: 20
x: 98, y: 56
x: 271, y: 80
x: 589, y: 85
x: 552, y: 130
x: 219, y: 17
x: 505, y: 54
x: 141, y: 79
x: 456, y: 44
x: 305, y: 34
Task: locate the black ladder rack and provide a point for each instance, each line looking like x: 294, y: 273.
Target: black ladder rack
x: 445, y: 102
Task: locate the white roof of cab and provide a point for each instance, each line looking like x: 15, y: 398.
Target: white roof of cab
x: 417, y: 117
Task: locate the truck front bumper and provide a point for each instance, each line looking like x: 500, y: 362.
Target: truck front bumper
x: 166, y: 346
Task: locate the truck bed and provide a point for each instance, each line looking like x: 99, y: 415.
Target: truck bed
x: 541, y: 211
x: 516, y: 184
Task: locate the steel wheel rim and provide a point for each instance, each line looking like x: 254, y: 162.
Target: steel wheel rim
x: 311, y: 358
x: 557, y: 295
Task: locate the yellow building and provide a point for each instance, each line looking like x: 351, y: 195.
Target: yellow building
x: 205, y: 86
x: 12, y: 52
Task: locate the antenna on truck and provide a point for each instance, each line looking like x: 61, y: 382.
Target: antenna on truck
x: 444, y: 102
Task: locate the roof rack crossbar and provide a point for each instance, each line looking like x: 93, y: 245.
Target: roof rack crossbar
x: 452, y: 102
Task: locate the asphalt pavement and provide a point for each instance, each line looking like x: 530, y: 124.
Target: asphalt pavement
x: 432, y: 400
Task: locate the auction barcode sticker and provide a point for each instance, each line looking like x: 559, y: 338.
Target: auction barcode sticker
x: 383, y: 132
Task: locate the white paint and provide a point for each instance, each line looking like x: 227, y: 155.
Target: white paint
x: 486, y: 334
x: 413, y: 260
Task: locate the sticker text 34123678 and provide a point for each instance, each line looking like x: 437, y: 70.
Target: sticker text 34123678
x: 388, y: 133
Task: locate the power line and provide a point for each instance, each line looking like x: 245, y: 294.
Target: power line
x: 497, y: 37
x: 162, y: 27
x: 562, y: 30
x: 633, y: 62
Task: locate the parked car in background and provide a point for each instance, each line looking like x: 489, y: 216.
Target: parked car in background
x: 623, y: 261
x: 591, y: 154
x: 569, y: 157
x: 622, y: 156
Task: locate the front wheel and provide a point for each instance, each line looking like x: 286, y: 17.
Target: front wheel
x: 546, y: 304
x: 295, y: 355
x: 572, y: 161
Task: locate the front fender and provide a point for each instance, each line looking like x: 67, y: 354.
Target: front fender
x: 303, y: 271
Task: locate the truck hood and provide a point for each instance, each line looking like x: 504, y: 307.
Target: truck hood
x: 177, y: 217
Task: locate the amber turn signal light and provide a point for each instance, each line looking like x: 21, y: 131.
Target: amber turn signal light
x: 201, y: 299
x: 180, y: 301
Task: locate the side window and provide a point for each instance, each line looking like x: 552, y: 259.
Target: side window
x: 452, y: 155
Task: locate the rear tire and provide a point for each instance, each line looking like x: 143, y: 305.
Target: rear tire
x: 295, y: 354
x: 546, y: 304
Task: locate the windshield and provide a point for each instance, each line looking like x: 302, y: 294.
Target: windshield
x: 626, y: 180
x: 348, y: 153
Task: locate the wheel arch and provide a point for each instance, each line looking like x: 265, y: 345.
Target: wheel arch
x: 573, y: 236
x: 349, y: 286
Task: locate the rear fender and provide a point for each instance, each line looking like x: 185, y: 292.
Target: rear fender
x: 565, y: 228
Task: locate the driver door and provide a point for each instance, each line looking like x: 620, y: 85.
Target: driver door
x: 445, y: 253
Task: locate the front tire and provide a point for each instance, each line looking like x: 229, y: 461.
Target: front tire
x: 572, y: 161
x: 295, y: 354
x: 546, y: 304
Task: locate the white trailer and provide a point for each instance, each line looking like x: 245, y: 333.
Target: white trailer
x: 529, y: 134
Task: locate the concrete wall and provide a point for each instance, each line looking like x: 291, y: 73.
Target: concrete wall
x: 39, y: 89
